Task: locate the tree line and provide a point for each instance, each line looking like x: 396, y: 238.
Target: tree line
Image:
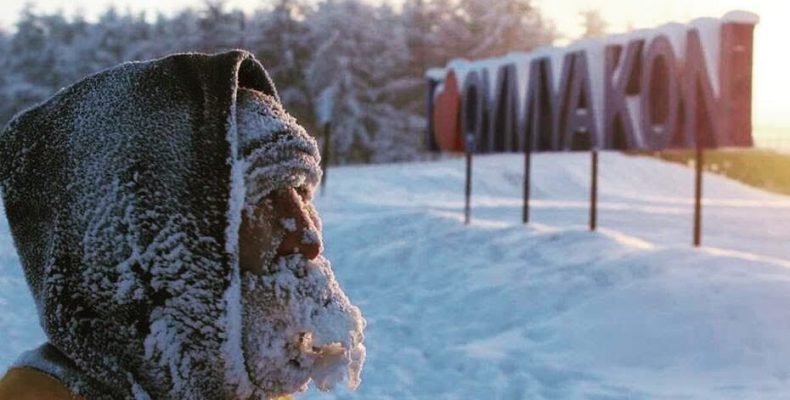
x: 358, y: 64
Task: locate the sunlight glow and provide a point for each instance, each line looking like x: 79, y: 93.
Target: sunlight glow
x: 771, y: 57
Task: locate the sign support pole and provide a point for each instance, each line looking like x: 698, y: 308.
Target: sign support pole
x: 698, y: 192
x: 527, y: 176
x: 325, y: 156
x: 594, y: 191
x: 467, y: 206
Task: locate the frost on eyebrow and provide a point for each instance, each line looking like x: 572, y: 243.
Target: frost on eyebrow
x: 276, y: 151
x: 311, y: 237
x: 289, y: 224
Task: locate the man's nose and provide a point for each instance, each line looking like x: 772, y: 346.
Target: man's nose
x: 301, y: 235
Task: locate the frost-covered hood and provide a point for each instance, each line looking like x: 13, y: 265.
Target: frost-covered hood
x: 124, y: 193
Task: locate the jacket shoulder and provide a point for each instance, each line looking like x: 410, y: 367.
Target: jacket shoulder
x: 29, y: 384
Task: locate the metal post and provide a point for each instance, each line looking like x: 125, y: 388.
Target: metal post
x: 325, y: 156
x: 469, y: 151
x: 698, y: 193
x: 527, y: 176
x: 594, y: 191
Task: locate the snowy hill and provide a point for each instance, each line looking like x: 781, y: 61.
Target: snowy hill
x: 503, y: 311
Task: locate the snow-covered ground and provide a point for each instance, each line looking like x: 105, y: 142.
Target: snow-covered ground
x: 504, y: 311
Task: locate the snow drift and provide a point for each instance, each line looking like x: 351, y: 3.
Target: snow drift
x: 499, y: 310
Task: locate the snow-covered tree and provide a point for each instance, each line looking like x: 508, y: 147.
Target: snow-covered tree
x: 220, y: 30
x: 353, y: 63
x: 593, y: 23
x: 481, y: 28
x: 361, y: 58
x: 30, y: 64
x: 281, y: 39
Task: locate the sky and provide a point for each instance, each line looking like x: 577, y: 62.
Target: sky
x: 771, y: 59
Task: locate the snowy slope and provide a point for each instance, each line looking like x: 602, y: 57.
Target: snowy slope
x: 498, y: 310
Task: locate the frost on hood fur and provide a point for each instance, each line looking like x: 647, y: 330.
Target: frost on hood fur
x: 124, y: 194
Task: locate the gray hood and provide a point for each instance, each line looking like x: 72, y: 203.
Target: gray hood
x: 124, y: 193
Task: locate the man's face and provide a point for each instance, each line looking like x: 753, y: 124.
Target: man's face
x: 283, y: 223
x: 297, y: 324
x: 283, y: 281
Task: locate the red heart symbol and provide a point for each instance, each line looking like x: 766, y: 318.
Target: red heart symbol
x: 446, y: 122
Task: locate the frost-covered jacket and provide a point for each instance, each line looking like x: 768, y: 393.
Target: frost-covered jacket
x: 31, y: 384
x: 123, y: 193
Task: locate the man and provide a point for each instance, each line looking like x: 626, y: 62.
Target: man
x: 162, y: 213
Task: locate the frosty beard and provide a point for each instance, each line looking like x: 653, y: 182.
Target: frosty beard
x: 298, y: 325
